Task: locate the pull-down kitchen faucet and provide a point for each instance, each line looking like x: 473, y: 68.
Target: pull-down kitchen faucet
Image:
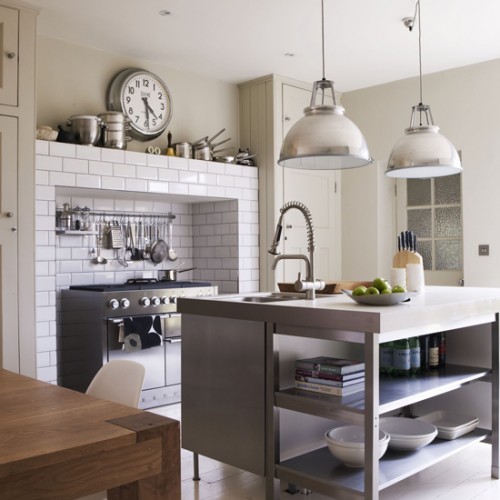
x: 309, y: 285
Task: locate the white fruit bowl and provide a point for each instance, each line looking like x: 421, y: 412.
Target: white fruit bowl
x: 347, y: 444
x: 382, y: 299
x: 408, y: 433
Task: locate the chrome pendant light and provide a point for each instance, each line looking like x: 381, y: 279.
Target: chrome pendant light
x: 422, y: 152
x: 324, y: 138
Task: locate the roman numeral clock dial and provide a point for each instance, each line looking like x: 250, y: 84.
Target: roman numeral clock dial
x: 145, y: 100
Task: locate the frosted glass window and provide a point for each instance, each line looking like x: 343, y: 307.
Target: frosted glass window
x: 419, y: 192
x: 434, y: 214
x: 448, y: 255
x: 448, y: 222
x: 420, y: 222
x: 447, y: 190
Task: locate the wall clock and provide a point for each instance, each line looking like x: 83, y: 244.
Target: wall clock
x: 145, y: 100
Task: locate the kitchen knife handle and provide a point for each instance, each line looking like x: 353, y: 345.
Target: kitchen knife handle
x: 414, y: 242
x: 399, y: 243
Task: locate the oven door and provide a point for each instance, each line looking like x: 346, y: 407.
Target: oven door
x: 152, y: 358
x: 172, y: 339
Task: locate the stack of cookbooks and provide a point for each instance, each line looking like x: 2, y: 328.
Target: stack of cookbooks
x: 334, y: 376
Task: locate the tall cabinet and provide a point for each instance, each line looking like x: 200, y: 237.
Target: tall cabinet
x: 17, y: 181
x: 269, y: 107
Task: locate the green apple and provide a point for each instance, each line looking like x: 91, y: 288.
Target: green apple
x: 387, y: 291
x: 371, y: 290
x: 381, y: 284
x: 359, y: 290
x: 398, y: 289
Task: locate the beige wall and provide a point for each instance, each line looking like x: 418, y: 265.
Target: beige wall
x: 72, y: 79
x: 466, y: 105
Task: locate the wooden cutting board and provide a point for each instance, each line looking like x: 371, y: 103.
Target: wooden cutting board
x: 404, y: 257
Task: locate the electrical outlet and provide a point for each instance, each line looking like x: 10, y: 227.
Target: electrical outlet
x: 484, y: 250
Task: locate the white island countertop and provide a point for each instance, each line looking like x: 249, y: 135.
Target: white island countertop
x: 437, y: 308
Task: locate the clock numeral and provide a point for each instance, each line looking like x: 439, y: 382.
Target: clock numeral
x: 162, y: 106
x: 146, y: 124
x: 160, y: 95
x: 131, y: 110
x: 137, y: 83
x: 145, y: 83
x: 128, y: 99
x: 131, y: 90
x: 136, y: 118
x: 154, y: 122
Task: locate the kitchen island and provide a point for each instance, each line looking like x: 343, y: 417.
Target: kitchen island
x: 236, y: 381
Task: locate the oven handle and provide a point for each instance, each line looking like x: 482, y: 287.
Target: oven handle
x: 118, y: 321
x: 173, y: 340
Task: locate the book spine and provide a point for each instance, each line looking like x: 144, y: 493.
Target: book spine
x: 328, y: 368
x: 325, y: 389
x: 333, y: 383
x: 330, y: 376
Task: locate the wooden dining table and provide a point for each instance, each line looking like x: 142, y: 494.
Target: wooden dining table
x: 56, y: 443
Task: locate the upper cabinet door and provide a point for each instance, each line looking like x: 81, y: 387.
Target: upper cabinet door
x: 9, y: 55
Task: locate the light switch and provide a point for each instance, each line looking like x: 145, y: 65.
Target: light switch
x: 484, y: 250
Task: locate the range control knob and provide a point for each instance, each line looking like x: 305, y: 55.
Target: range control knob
x: 173, y: 300
x: 164, y: 300
x: 144, y: 302
x: 113, y: 304
x: 155, y: 301
x: 124, y: 303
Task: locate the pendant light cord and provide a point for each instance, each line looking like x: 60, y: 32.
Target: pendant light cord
x: 323, y: 34
x: 420, y: 49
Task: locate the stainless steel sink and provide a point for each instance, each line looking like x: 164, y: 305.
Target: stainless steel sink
x: 266, y: 298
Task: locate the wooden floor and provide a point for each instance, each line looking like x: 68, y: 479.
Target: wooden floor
x: 464, y: 476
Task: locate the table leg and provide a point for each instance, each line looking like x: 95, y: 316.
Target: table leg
x: 167, y: 484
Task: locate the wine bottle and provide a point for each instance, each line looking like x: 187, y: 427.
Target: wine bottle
x: 414, y: 344
x: 442, y: 349
x: 401, y: 358
x: 424, y: 353
x: 385, y: 351
x: 434, y: 351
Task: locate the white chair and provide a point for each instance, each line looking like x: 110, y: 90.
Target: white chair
x: 119, y: 381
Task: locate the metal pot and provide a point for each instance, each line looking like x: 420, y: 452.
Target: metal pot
x: 203, y: 153
x: 171, y: 274
x: 87, y: 128
x: 115, y: 139
x: 184, y: 150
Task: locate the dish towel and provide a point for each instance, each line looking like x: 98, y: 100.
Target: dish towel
x: 141, y: 332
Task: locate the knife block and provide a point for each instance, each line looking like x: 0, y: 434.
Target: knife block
x: 404, y: 257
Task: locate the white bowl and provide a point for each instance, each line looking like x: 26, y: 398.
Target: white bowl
x: 347, y: 444
x: 408, y: 433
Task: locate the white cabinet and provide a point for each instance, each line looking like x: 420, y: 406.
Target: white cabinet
x: 17, y: 187
x: 269, y: 107
x: 9, y: 31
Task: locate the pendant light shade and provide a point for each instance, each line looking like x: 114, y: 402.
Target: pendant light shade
x: 324, y: 138
x: 422, y: 152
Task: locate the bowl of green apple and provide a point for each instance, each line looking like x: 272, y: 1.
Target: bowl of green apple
x: 380, y: 293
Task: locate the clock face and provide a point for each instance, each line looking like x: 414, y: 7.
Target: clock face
x: 145, y: 100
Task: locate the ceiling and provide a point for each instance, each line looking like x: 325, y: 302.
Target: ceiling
x: 366, y: 42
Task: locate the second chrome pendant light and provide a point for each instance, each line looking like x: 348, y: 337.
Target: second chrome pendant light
x: 422, y: 152
x: 324, y: 138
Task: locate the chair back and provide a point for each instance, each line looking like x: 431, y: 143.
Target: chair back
x: 119, y: 381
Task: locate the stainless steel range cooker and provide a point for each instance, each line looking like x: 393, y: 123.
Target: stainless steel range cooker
x: 137, y: 320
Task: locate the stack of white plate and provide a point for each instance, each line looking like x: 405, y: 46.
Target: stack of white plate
x: 450, y: 425
x: 408, y: 433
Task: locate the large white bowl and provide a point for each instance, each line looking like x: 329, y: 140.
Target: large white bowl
x: 347, y: 444
x: 408, y: 433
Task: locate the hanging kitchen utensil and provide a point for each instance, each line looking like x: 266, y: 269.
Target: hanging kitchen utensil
x: 159, y: 249
x: 172, y: 254
x: 128, y: 242
x: 136, y: 255
x: 146, y: 252
x: 116, y: 235
x: 98, y: 259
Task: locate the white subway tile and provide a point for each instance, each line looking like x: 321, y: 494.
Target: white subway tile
x: 116, y: 183
x: 43, y: 359
x: 70, y: 266
x: 47, y: 313
x: 198, y: 165
x: 62, y: 149
x: 47, y: 374
x: 225, y: 180
x: 52, y: 163
x: 168, y: 175
x: 158, y: 187
x: 122, y: 170
x: 45, y: 253
x: 100, y: 168
x: 178, y: 163
x: 197, y: 190
x: 136, y: 158
x: 45, y: 223
x: 41, y: 237
x: 208, y: 179
x: 178, y: 188
x: 157, y: 160
x: 113, y: 155
x: 216, y: 191
x: 234, y: 192
x: 41, y: 178
x: 62, y: 179
x: 88, y: 152
x: 136, y: 185
x: 41, y: 207
x: 216, y: 168
x: 41, y: 147
x: 188, y: 176
x: 147, y: 173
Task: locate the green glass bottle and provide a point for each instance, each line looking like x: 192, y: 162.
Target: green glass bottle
x: 385, y: 363
x: 401, y: 358
x: 414, y: 344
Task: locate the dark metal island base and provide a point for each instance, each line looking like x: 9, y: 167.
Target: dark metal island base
x: 237, y: 389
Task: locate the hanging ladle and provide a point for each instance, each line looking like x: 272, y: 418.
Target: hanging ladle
x: 98, y: 259
x: 172, y: 254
